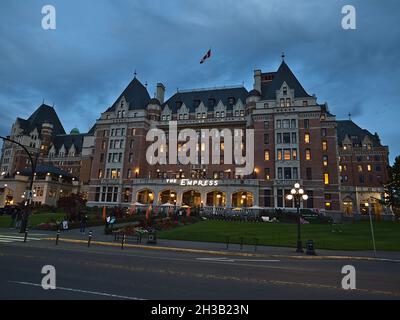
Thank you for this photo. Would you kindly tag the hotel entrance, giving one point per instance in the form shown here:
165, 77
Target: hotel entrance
191, 198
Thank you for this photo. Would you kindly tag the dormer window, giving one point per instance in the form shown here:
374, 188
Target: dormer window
231, 101
282, 102
211, 102
285, 91
178, 104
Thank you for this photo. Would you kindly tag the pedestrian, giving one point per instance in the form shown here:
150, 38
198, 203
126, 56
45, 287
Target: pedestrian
14, 214
83, 223
18, 219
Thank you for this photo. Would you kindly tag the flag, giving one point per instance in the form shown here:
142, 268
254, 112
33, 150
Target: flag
208, 55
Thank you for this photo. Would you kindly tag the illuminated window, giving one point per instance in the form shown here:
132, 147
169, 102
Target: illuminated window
267, 174
326, 178
369, 167
308, 154
222, 146
266, 155
100, 174
324, 145
294, 154
328, 206
286, 154
307, 138
325, 161
340, 168
280, 154
360, 168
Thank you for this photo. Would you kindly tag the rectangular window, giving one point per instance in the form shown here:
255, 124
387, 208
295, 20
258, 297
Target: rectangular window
305, 104
295, 173
308, 154
325, 161
266, 138
306, 123
288, 102
278, 124
307, 138
293, 123
266, 155
100, 175
266, 124
280, 173
282, 103
324, 145
286, 154
294, 154
323, 132
294, 137
359, 168
286, 137
279, 154
288, 173
369, 168
278, 138
326, 178
267, 174
286, 124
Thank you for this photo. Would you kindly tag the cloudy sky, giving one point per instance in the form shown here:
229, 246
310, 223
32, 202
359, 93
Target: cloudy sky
85, 63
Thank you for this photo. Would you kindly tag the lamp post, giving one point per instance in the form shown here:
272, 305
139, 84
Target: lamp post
24, 223
297, 194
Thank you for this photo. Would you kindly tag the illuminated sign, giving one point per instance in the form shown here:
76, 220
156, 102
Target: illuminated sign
190, 182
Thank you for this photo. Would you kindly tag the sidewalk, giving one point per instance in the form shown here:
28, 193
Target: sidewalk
99, 236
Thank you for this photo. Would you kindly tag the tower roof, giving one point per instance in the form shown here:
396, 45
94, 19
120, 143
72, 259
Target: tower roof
43, 114
135, 94
284, 74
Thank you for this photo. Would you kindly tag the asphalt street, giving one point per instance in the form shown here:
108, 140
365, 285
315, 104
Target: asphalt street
111, 273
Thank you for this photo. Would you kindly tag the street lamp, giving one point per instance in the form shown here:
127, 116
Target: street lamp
297, 194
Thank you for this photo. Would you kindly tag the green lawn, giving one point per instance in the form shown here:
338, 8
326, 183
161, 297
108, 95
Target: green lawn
352, 236
34, 219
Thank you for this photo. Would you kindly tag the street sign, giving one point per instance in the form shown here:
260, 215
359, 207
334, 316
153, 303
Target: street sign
28, 195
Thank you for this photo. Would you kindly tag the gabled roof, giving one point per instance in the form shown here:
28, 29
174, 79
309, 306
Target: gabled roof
355, 133
68, 140
135, 94
193, 97
43, 114
284, 74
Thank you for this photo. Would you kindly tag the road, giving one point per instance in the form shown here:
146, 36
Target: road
111, 273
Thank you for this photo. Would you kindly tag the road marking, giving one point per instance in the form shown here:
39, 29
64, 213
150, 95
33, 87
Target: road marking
235, 260
110, 295
9, 239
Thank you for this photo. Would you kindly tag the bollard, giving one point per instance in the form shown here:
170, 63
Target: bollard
123, 241
58, 236
255, 244
241, 243
90, 238
227, 243
26, 235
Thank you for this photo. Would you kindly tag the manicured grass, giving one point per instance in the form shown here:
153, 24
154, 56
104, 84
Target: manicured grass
351, 236
34, 219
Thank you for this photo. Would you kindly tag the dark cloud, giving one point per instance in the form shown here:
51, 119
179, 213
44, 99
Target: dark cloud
85, 64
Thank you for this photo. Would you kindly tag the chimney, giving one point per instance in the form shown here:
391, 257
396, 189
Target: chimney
257, 80
160, 92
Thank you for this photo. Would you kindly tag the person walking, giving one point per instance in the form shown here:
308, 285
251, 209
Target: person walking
14, 214
83, 223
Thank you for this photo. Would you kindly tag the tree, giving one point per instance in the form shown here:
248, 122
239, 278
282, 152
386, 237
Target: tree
392, 188
74, 205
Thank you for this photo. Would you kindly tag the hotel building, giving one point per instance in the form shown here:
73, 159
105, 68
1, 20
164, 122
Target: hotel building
296, 139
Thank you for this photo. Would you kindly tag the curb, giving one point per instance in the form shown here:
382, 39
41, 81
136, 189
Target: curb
223, 253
